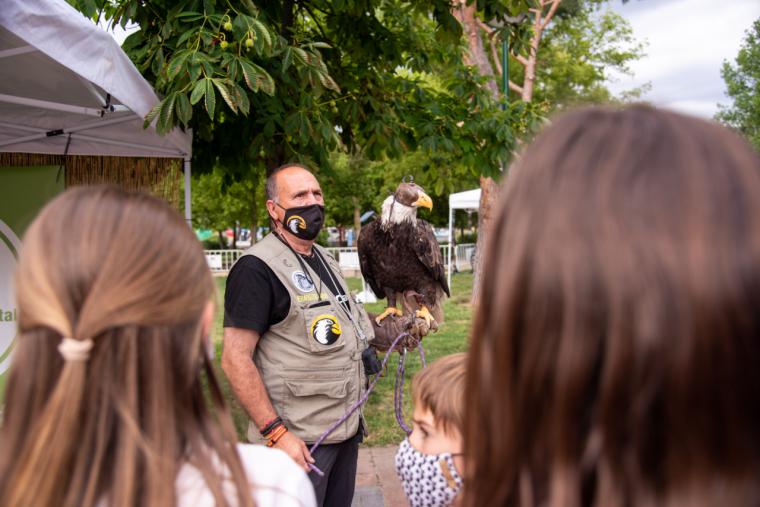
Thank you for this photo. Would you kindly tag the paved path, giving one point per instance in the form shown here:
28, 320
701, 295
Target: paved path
376, 482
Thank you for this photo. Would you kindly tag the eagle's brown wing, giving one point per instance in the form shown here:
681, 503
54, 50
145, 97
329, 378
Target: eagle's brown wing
365, 246
429, 253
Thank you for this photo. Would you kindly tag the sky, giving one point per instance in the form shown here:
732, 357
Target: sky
687, 43
688, 40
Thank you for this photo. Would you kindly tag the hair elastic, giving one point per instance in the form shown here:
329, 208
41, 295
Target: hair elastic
75, 350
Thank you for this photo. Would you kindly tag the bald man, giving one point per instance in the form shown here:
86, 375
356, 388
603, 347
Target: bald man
293, 340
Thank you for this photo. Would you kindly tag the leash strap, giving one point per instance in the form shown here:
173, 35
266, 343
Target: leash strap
358, 403
398, 396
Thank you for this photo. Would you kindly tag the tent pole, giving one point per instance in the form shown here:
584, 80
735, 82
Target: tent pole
21, 50
188, 209
46, 104
451, 240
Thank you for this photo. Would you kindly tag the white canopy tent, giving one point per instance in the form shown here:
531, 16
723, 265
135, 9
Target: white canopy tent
66, 87
469, 199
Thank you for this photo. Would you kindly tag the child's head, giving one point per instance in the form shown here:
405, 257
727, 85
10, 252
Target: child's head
429, 461
438, 394
106, 389
614, 356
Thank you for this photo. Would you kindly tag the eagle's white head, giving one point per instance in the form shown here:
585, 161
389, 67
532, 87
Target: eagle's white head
408, 197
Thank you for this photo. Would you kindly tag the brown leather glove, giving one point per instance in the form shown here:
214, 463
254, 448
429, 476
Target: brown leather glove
392, 326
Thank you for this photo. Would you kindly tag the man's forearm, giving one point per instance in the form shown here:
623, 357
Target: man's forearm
250, 390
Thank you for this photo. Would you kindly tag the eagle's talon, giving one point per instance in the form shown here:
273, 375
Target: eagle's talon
424, 313
388, 311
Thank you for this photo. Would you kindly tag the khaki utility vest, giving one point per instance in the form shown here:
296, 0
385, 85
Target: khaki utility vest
310, 362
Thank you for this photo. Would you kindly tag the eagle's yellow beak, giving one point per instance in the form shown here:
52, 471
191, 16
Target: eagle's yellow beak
423, 201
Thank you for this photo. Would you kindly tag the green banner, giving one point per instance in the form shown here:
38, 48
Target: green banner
23, 191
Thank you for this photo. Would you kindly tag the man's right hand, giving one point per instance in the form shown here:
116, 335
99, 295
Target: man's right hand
296, 449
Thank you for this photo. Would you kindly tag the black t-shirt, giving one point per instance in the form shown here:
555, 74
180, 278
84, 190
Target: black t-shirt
256, 299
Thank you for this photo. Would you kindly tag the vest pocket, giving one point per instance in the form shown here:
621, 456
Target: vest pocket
324, 331
313, 404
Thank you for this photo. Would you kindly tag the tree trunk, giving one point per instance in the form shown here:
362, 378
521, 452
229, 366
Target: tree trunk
477, 54
489, 193
540, 22
530, 68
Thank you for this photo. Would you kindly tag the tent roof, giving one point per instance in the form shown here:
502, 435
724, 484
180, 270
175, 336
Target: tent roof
58, 71
469, 199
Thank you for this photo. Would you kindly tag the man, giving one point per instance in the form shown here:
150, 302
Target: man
286, 306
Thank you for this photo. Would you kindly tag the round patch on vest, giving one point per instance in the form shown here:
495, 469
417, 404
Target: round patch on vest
325, 329
295, 223
302, 282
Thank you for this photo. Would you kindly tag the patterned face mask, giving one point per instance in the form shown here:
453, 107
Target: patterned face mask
428, 479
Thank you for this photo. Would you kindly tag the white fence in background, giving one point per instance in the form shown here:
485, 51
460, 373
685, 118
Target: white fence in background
220, 261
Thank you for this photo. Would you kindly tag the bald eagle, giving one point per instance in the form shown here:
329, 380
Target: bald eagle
399, 255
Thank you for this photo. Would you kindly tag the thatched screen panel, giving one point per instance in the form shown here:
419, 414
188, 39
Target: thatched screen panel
158, 176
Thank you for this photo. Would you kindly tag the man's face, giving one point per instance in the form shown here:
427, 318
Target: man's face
295, 187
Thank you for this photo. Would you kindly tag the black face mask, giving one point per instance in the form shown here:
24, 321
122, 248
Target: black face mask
304, 222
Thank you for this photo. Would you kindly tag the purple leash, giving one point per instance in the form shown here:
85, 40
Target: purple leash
358, 403
398, 387
398, 394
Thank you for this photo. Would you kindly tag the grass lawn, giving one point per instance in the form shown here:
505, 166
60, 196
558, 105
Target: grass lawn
383, 428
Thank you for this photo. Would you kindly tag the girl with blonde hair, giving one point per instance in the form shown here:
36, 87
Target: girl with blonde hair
105, 403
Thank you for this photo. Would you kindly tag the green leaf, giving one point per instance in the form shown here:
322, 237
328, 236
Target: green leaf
287, 59
328, 82
183, 108
194, 70
241, 97
266, 83
186, 35
251, 7
165, 122
210, 100
198, 90
219, 84
301, 56
134, 40
262, 32
152, 114
190, 16
321, 45
177, 64
250, 74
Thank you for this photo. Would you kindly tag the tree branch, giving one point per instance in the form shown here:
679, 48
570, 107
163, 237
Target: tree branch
485, 27
491, 36
515, 88
550, 14
520, 58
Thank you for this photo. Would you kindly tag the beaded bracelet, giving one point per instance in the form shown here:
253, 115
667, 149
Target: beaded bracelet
276, 435
271, 425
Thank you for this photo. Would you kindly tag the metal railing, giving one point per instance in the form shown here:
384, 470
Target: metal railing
220, 261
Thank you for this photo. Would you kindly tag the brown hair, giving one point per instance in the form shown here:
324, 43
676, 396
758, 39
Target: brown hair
123, 270
615, 356
440, 389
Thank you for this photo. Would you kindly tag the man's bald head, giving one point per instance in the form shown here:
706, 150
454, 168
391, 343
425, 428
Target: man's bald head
272, 189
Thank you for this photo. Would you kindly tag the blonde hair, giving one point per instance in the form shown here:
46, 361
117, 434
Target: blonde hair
123, 270
440, 389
